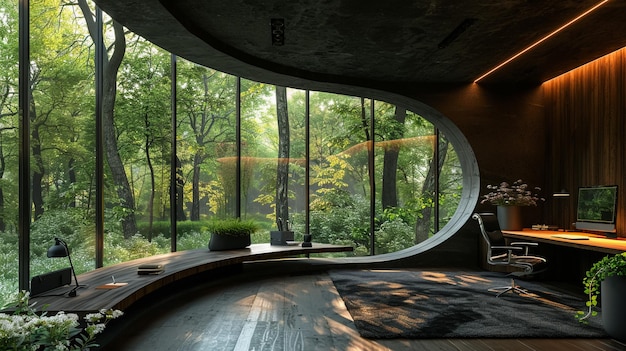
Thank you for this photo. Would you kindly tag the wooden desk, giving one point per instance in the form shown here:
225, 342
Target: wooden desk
594, 242
177, 266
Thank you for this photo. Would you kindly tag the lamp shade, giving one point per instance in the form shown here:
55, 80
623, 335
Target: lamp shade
561, 194
58, 250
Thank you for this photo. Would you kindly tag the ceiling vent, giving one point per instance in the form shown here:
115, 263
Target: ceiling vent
278, 31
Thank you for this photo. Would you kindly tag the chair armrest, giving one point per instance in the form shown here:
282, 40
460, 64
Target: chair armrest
509, 250
524, 244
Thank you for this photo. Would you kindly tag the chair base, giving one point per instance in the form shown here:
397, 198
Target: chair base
512, 288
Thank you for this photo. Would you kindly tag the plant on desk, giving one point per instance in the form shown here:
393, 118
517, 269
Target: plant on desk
27, 329
609, 276
509, 197
231, 234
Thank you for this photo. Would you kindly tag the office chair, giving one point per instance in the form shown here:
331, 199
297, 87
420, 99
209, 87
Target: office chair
516, 254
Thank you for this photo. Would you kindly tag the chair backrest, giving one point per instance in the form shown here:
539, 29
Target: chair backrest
490, 228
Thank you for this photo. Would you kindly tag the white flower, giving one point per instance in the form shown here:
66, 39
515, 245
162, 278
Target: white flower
93, 317
27, 330
516, 194
117, 314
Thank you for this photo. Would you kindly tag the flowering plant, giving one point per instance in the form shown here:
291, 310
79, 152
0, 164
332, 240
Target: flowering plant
516, 194
26, 330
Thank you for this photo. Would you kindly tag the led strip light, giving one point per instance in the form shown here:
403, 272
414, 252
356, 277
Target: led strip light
542, 40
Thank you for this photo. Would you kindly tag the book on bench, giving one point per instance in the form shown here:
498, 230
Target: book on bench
145, 269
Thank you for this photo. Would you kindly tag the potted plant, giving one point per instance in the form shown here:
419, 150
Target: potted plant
231, 234
608, 276
509, 198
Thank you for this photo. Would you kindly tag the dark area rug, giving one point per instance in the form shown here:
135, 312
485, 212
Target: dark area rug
429, 304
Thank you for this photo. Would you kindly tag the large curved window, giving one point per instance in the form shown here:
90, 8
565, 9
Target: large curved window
346, 169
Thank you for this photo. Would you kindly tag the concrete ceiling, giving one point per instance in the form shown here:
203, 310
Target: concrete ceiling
379, 43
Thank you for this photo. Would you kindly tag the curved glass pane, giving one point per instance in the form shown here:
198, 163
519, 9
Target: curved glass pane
207, 146
340, 178
9, 146
61, 137
137, 175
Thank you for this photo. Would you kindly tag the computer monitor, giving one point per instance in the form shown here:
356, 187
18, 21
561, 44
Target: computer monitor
597, 208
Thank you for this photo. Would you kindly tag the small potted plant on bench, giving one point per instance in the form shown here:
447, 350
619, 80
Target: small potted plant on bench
231, 234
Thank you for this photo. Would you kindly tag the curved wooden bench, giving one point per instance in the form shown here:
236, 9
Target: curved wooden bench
177, 266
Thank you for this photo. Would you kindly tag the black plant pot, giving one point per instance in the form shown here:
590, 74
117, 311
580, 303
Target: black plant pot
614, 306
228, 242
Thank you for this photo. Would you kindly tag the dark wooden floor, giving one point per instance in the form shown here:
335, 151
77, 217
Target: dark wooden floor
296, 312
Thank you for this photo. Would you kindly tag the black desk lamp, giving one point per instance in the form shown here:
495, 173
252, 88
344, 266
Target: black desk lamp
60, 249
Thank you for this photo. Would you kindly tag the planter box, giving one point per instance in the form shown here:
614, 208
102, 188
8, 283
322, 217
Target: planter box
228, 242
280, 238
614, 306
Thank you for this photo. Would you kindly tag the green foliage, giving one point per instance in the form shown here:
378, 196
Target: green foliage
608, 266
193, 240
28, 329
67, 225
330, 215
183, 228
120, 249
158, 228
233, 227
393, 235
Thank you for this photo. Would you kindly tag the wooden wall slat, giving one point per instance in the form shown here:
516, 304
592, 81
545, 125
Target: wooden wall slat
586, 124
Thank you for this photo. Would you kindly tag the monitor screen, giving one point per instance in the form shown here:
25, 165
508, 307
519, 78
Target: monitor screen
596, 209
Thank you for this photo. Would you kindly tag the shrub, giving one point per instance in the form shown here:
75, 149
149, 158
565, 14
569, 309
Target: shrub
234, 227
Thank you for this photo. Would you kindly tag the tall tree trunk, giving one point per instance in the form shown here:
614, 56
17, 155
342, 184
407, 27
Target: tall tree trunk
38, 168
195, 188
3, 102
111, 66
201, 130
2, 168
422, 225
282, 169
71, 174
180, 199
148, 142
390, 162
366, 130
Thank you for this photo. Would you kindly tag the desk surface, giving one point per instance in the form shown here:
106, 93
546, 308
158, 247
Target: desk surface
592, 242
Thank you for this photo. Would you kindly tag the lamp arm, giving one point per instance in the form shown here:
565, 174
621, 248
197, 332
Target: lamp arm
69, 257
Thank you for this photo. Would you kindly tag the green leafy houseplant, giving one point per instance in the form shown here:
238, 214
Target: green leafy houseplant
26, 329
516, 194
608, 266
230, 234
232, 227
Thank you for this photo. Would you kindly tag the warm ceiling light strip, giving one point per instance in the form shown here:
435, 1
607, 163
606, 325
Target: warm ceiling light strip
542, 40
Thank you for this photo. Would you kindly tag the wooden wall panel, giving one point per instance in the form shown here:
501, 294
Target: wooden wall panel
585, 112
